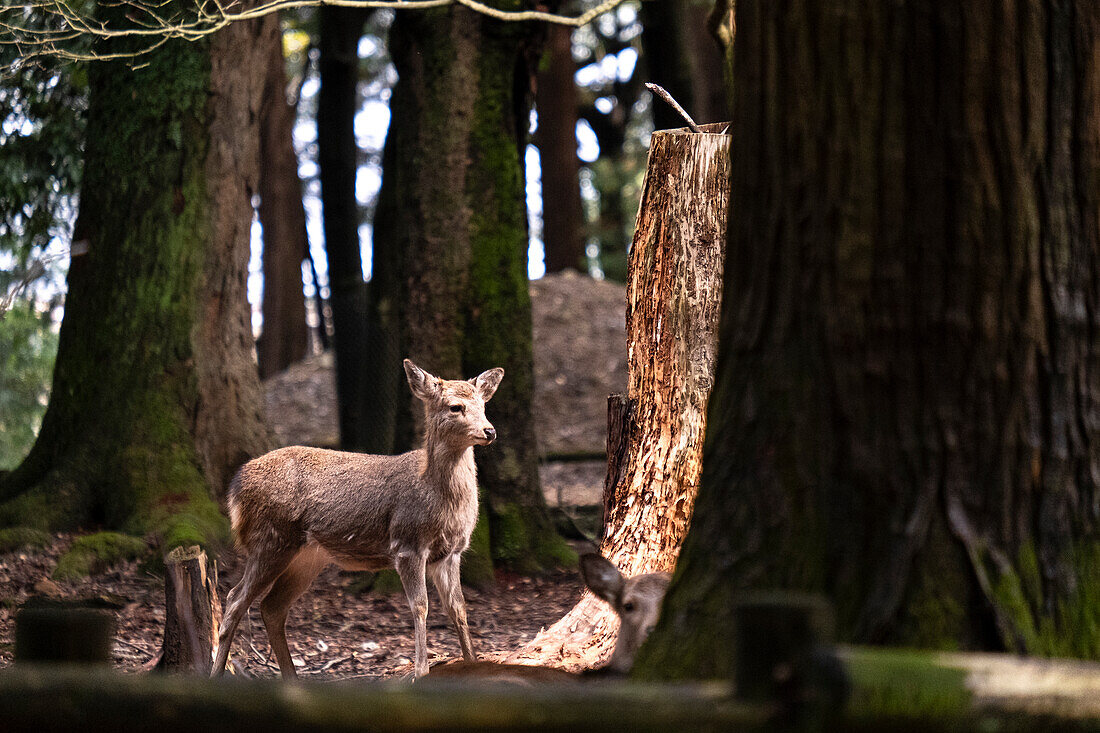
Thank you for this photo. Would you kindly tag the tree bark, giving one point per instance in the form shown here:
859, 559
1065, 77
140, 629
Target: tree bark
338, 158
155, 398
672, 318
285, 336
906, 410
556, 137
192, 612
450, 287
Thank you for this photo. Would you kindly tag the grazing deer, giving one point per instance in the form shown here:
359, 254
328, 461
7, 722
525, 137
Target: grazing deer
296, 510
637, 603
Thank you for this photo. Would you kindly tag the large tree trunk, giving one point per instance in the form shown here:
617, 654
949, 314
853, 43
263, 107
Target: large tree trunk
285, 336
155, 398
656, 441
450, 249
908, 398
556, 102
338, 159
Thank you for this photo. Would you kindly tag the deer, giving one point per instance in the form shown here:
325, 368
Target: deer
296, 510
637, 603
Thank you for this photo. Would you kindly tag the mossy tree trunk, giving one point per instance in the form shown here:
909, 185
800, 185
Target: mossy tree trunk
450, 248
285, 337
155, 397
908, 397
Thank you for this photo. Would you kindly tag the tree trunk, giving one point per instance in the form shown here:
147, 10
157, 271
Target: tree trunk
450, 249
283, 217
906, 410
556, 102
672, 319
338, 158
192, 612
155, 399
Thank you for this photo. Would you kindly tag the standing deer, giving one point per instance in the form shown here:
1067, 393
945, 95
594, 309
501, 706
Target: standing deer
296, 510
637, 603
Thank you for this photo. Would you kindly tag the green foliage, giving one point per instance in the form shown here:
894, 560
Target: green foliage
95, 552
42, 118
14, 538
28, 345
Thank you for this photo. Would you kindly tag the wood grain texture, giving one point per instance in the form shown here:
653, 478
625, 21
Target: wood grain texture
673, 300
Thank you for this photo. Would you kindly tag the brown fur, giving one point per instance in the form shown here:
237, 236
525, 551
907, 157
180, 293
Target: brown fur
295, 510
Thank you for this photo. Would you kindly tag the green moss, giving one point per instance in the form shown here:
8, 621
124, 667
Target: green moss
96, 552
509, 535
523, 548
900, 683
15, 538
387, 582
477, 561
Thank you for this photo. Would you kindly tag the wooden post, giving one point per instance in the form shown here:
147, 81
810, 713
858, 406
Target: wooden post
48, 630
192, 611
655, 432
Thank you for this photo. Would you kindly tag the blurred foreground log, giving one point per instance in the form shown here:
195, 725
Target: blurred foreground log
895, 690
655, 432
192, 611
43, 700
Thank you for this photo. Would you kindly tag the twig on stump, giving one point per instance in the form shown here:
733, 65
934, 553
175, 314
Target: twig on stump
660, 92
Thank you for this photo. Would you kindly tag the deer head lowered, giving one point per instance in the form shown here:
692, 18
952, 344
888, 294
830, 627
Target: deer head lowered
296, 510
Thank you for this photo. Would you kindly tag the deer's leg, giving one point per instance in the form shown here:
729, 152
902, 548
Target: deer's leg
287, 588
259, 573
411, 566
445, 575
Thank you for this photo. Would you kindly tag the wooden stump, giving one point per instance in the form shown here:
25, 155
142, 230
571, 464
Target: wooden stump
192, 612
655, 432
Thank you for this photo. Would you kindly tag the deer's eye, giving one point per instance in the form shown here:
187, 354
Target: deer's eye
628, 606
457, 409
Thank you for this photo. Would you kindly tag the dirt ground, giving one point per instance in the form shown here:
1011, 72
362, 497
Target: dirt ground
335, 631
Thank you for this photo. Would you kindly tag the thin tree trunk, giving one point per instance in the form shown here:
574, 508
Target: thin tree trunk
906, 414
285, 336
673, 301
556, 102
338, 158
155, 399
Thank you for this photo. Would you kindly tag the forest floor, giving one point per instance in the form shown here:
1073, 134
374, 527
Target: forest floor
336, 630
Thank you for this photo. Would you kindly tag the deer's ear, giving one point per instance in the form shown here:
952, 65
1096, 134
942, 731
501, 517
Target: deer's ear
602, 577
423, 385
486, 383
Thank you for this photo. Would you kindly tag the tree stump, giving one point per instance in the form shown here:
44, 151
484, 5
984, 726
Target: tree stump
655, 432
192, 612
